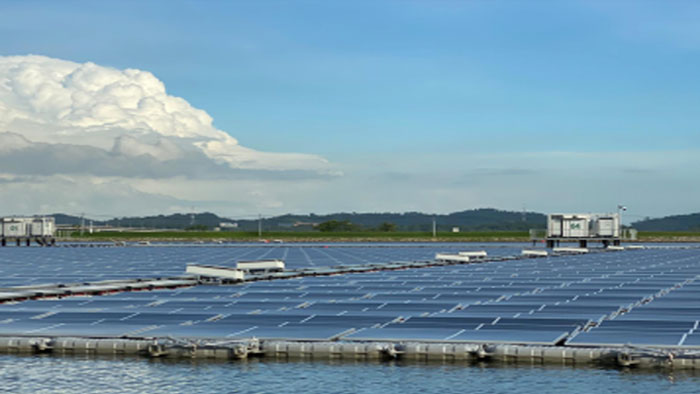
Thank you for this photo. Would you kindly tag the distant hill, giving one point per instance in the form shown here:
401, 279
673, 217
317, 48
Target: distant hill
175, 221
63, 219
474, 220
471, 220
689, 222
477, 219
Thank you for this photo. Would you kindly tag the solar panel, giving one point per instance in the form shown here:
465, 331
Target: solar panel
292, 332
403, 334
645, 295
692, 341
539, 337
622, 338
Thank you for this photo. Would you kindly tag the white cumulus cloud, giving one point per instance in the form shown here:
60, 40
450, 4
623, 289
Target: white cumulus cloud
57, 107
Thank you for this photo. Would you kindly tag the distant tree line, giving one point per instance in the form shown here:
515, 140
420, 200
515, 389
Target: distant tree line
470, 220
348, 226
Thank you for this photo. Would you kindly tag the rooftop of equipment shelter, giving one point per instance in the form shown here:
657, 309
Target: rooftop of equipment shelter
640, 297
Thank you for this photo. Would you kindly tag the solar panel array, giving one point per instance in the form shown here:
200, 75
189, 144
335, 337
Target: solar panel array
21, 266
637, 297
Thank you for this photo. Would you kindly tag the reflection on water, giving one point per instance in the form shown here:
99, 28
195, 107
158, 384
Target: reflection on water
38, 374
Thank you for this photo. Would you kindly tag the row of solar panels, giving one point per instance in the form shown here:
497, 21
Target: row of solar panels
302, 326
22, 266
443, 327
543, 301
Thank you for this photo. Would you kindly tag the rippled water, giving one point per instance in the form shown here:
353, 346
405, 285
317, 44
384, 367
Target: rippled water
25, 374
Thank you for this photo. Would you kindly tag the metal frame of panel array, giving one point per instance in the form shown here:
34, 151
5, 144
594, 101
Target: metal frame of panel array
643, 298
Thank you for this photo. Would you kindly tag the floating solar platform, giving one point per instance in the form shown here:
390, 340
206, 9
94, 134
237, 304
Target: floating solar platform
70, 265
643, 298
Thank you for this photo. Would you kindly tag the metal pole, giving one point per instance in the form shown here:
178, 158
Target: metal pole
620, 209
434, 229
619, 222
259, 226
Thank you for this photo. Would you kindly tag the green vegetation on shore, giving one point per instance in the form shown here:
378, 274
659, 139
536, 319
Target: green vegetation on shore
485, 236
348, 236
485, 219
669, 236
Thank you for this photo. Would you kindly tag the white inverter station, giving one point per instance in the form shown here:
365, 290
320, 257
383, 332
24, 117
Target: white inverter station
582, 228
24, 230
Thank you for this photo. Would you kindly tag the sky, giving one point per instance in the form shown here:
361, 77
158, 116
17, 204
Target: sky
119, 108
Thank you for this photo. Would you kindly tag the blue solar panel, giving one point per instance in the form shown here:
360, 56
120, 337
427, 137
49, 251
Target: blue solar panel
544, 337
610, 338
443, 321
692, 341
292, 332
644, 294
404, 334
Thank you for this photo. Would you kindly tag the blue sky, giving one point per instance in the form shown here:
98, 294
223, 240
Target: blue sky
426, 94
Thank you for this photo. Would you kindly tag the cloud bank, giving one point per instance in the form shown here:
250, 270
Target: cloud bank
86, 118
80, 137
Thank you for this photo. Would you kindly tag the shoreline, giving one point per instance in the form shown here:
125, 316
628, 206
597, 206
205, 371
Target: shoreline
276, 239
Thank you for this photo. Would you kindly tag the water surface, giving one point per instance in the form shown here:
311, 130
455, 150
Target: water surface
36, 374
